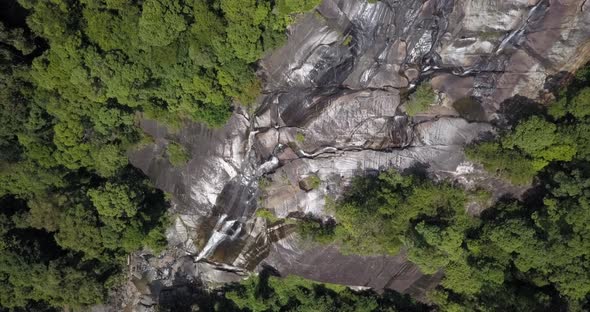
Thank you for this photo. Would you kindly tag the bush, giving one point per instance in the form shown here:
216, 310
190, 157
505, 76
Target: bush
421, 99
507, 164
347, 41
300, 137
266, 214
292, 293
535, 142
177, 154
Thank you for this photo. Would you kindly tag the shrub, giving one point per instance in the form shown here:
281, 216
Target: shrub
420, 100
300, 137
177, 154
266, 214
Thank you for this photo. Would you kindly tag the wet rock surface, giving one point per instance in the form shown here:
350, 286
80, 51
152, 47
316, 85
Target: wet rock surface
333, 107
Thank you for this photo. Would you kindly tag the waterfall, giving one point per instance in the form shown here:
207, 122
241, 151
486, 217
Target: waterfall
520, 30
222, 231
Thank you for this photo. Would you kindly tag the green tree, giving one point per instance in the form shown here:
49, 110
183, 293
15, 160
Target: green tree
270, 293
532, 136
152, 30
114, 200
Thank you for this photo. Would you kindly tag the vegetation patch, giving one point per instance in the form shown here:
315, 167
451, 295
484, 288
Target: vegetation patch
292, 293
267, 292
267, 214
177, 154
420, 100
263, 183
300, 138
491, 35
535, 142
347, 40
310, 183
481, 197
315, 181
144, 140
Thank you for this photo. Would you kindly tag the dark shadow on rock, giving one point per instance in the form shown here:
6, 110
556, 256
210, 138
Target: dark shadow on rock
269, 270
156, 288
264, 290
237, 200
418, 169
298, 107
570, 83
470, 109
402, 302
518, 108
554, 83
486, 136
188, 296
336, 75
362, 182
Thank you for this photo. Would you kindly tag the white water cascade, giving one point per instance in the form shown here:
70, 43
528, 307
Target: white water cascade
222, 231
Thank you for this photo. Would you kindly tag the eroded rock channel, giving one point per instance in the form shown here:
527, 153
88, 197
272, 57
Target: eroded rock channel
333, 106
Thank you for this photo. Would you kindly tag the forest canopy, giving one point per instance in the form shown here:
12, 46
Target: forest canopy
291, 293
268, 292
75, 79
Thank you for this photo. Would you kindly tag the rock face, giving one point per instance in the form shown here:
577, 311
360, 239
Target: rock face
333, 106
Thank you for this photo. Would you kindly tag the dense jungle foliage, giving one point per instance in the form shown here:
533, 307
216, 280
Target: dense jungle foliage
518, 255
75, 77
270, 293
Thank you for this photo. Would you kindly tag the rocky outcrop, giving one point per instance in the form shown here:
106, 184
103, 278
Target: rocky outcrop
333, 107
